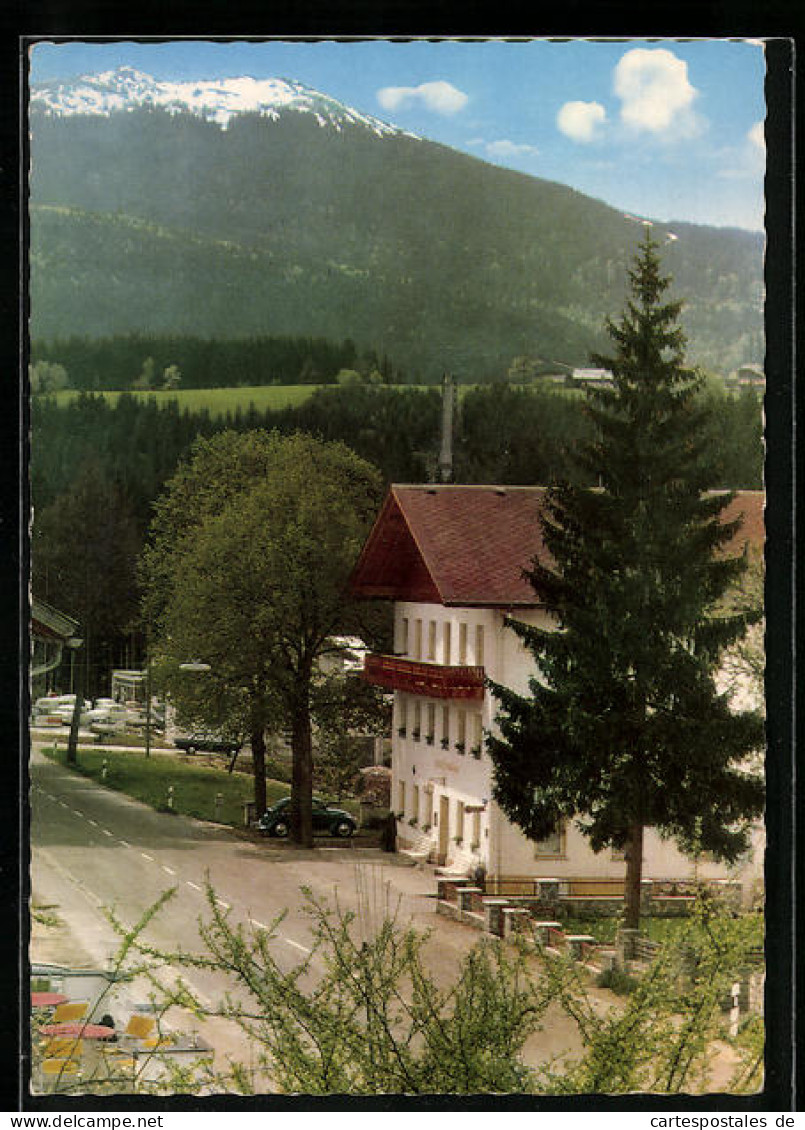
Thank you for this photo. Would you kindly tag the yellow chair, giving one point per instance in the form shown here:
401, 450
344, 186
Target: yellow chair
69, 1012
119, 1063
62, 1047
53, 1071
140, 1027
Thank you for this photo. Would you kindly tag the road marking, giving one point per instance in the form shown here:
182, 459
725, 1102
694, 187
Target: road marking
94, 823
76, 812
259, 925
225, 905
291, 942
195, 886
169, 870
106, 832
123, 842
150, 858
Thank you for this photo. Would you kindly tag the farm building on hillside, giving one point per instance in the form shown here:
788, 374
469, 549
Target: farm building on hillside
451, 558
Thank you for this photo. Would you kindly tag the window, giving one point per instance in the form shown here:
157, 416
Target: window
476, 734
415, 804
446, 644
417, 730
462, 644
476, 829
445, 727
459, 820
553, 845
403, 640
461, 735
430, 725
417, 639
402, 716
479, 645
432, 639
401, 798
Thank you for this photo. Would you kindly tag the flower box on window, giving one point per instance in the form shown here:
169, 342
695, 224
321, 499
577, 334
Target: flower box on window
460, 746
476, 752
429, 739
402, 731
415, 734
445, 743
413, 821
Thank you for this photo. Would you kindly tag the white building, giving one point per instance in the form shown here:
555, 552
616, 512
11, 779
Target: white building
451, 558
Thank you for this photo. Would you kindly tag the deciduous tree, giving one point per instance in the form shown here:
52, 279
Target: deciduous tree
251, 547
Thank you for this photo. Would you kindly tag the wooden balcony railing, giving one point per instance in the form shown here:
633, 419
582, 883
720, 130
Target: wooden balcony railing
429, 679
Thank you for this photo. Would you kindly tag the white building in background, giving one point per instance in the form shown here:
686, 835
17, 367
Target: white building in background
451, 559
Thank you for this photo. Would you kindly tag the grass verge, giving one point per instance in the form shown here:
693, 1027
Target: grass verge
195, 786
605, 930
148, 779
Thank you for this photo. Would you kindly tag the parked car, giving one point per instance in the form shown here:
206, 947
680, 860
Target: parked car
104, 709
207, 742
112, 719
57, 710
276, 820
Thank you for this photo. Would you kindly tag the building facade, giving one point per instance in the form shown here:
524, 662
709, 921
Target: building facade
451, 560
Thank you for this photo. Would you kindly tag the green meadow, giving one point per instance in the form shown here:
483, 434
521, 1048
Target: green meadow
216, 401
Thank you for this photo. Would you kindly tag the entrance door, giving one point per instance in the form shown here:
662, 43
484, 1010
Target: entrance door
444, 828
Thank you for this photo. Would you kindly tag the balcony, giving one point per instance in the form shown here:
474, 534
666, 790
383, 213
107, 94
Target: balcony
429, 679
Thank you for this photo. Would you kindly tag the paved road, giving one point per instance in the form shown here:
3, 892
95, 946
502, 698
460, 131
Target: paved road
95, 848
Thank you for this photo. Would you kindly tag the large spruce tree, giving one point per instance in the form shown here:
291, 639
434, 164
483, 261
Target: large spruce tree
626, 728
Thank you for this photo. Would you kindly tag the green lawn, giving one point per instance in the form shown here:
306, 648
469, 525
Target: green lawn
217, 401
605, 930
194, 786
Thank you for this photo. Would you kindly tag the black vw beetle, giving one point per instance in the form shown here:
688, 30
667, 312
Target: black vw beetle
276, 820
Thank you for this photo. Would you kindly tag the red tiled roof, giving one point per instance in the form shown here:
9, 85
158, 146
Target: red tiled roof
469, 545
453, 545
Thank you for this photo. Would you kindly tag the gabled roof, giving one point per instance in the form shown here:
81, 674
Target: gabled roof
469, 545
452, 545
48, 622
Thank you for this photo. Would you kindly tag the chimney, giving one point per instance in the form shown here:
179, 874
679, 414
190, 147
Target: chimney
446, 452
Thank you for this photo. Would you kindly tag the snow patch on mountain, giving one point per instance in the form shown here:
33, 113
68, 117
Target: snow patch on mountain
216, 100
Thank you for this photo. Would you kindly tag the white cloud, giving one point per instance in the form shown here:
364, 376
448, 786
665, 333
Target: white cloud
505, 148
580, 121
441, 97
757, 136
656, 95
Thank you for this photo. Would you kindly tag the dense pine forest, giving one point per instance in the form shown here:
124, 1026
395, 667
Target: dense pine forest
97, 468
137, 361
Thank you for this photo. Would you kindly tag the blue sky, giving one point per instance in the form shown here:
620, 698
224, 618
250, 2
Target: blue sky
667, 129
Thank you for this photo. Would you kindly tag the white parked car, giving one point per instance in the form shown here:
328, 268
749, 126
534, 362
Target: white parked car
112, 719
57, 710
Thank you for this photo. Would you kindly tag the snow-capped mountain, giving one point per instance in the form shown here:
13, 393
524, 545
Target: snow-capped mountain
276, 209
216, 100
